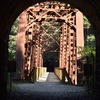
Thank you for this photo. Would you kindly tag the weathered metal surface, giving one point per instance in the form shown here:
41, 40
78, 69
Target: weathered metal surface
42, 20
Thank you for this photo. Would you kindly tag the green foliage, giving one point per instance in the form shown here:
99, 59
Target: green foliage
87, 51
12, 41
90, 40
14, 28
86, 22
90, 46
12, 46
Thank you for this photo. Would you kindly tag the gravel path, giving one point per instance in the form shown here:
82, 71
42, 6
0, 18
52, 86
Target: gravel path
48, 89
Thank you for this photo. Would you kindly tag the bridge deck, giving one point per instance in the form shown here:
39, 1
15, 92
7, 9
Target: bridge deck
48, 87
49, 77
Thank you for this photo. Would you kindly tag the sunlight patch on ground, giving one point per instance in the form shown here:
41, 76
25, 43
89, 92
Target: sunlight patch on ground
43, 78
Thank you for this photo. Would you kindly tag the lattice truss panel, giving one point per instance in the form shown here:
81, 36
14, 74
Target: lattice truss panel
49, 21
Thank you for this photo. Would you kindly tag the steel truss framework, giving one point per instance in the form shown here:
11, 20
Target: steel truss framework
42, 20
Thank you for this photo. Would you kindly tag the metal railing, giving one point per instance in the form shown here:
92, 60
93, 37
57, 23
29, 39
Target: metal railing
62, 75
37, 72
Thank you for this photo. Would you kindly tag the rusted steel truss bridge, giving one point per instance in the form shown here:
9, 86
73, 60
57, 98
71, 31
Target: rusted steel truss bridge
52, 27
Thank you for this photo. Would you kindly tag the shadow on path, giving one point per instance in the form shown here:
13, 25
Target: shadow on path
50, 89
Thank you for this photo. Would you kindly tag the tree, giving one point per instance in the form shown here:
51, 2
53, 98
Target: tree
86, 22
89, 38
12, 40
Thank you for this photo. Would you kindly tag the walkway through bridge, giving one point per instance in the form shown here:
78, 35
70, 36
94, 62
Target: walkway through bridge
48, 87
52, 29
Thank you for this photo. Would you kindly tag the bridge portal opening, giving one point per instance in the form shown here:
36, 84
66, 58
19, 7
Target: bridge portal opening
27, 40
44, 22
51, 60
50, 27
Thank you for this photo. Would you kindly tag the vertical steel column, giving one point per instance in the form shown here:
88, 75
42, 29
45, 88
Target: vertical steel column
36, 51
64, 32
28, 51
33, 46
58, 12
61, 44
64, 52
37, 48
73, 53
68, 49
40, 50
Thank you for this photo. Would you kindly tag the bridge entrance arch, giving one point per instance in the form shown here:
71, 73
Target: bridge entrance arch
49, 19
14, 8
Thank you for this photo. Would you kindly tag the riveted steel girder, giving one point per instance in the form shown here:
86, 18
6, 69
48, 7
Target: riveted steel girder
46, 21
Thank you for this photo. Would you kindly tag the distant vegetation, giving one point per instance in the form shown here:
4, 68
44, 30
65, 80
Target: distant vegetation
88, 34
12, 40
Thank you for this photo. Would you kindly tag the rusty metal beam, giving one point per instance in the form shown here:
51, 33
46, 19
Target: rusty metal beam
51, 14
